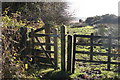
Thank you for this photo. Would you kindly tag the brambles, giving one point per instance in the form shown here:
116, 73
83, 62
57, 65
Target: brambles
13, 66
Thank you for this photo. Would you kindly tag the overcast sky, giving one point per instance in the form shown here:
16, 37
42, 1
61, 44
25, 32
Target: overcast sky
88, 8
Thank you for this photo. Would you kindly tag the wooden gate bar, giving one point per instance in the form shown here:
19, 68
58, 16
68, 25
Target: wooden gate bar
98, 53
91, 47
47, 54
101, 62
47, 38
55, 49
109, 51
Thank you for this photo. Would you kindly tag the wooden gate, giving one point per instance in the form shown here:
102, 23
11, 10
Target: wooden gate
91, 53
47, 56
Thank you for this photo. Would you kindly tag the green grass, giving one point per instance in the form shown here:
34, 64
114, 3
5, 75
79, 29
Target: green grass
82, 31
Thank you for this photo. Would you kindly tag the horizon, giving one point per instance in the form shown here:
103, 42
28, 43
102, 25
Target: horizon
76, 19
83, 9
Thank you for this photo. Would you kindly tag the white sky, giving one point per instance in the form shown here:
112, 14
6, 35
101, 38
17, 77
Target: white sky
87, 8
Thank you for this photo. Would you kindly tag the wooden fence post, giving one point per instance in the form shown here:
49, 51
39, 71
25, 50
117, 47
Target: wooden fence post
55, 49
32, 41
23, 32
91, 47
69, 54
109, 51
63, 48
74, 49
32, 45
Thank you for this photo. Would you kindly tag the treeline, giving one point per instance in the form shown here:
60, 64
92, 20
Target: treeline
48, 12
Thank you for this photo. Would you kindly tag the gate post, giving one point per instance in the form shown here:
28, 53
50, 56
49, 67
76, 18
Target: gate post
74, 49
63, 46
69, 54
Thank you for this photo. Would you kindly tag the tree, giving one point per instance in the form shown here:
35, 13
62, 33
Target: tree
54, 12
